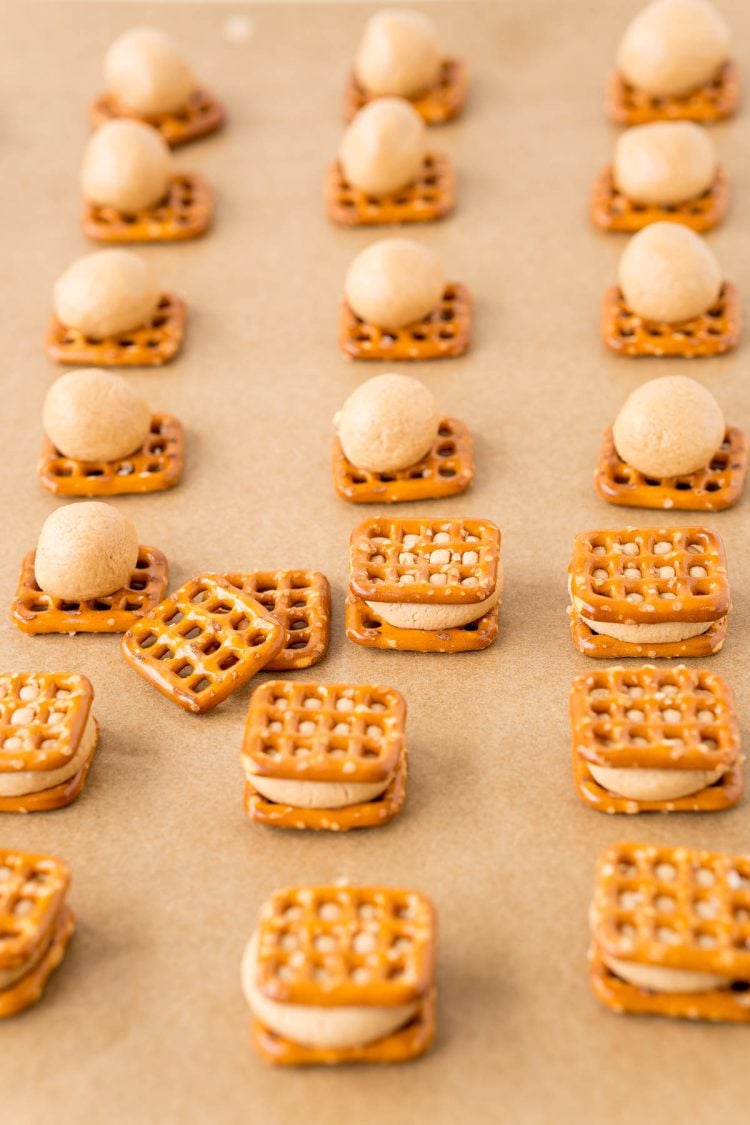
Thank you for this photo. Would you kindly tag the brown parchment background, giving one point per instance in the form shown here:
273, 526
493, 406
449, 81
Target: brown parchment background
145, 1022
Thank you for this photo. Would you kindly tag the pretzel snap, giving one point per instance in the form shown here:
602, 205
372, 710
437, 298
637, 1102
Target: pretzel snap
28, 989
716, 99
442, 102
156, 343
201, 115
300, 600
712, 333
612, 210
430, 197
32, 893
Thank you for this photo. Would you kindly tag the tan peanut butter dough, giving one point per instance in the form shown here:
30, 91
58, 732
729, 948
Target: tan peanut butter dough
669, 427
399, 54
105, 293
146, 73
126, 165
316, 794
668, 273
85, 550
388, 423
383, 149
394, 282
665, 162
673, 47
436, 617
653, 785
336, 1026
94, 415
657, 979
668, 632
23, 782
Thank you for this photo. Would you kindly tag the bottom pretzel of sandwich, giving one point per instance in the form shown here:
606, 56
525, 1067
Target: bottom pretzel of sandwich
366, 627
432, 195
300, 600
150, 345
712, 333
443, 333
446, 470
28, 989
202, 642
712, 489
35, 611
602, 647
714, 100
441, 102
185, 212
612, 210
155, 466
406, 1043
45, 800
202, 114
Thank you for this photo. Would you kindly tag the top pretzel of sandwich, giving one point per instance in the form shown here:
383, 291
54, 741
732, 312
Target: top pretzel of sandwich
679, 908
340, 944
32, 889
42, 718
651, 598
324, 732
383, 568
623, 717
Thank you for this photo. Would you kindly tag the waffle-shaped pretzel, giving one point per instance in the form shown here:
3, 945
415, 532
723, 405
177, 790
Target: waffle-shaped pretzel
612, 210
201, 115
185, 212
601, 647
203, 642
34, 611
32, 892
716, 99
655, 718
676, 908
443, 333
27, 990
431, 196
300, 600
446, 470
443, 101
366, 627
712, 489
712, 333
152, 345
157, 465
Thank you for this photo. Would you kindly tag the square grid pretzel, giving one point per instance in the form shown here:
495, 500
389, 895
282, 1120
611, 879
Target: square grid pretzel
153, 344
716, 99
712, 489
714, 332
446, 470
185, 212
442, 102
35, 611
203, 642
677, 908
27, 989
443, 333
32, 893
654, 718
201, 115
366, 627
431, 196
300, 600
612, 210
156, 466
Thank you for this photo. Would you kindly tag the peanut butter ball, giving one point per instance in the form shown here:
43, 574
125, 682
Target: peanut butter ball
399, 54
146, 73
673, 46
92, 415
669, 427
665, 162
388, 423
668, 273
85, 550
384, 147
105, 293
394, 282
126, 165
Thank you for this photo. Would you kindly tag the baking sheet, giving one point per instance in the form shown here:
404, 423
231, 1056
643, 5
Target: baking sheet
145, 1021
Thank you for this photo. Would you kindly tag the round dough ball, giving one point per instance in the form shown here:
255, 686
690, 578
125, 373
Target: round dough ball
399, 54
85, 550
94, 415
673, 46
668, 273
669, 427
146, 74
384, 147
388, 423
665, 162
105, 293
394, 282
126, 165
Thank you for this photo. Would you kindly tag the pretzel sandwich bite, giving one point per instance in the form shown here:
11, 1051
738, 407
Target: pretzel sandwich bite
340, 974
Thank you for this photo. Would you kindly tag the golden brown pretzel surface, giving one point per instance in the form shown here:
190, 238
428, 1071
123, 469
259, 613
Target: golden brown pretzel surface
601, 647
185, 212
366, 627
28, 989
712, 333
300, 600
431, 196
202, 114
32, 890
443, 333
443, 101
612, 210
42, 718
151, 345
714, 100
